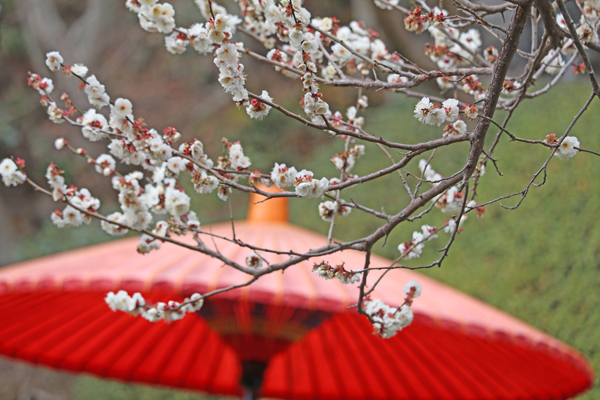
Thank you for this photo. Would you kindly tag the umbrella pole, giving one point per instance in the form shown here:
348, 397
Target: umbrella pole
252, 378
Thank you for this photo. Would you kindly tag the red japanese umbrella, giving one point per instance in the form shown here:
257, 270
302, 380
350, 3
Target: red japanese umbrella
289, 333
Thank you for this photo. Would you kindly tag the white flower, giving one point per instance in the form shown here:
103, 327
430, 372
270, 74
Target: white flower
94, 122
254, 260
567, 148
395, 78
199, 39
55, 114
204, 183
60, 143
460, 127
192, 220
175, 44
123, 302
388, 321
122, 107
69, 217
103, 162
428, 113
283, 176
11, 176
223, 192
79, 70
46, 86
428, 232
7, 167
306, 186
413, 287
471, 39
161, 228
386, 4
450, 107
176, 165
54, 60
147, 244
176, 202
553, 62
470, 111
113, 229
257, 109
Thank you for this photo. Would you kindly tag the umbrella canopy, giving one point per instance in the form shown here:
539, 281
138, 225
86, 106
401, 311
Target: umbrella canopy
294, 323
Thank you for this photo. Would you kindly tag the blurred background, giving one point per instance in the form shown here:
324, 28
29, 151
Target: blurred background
540, 262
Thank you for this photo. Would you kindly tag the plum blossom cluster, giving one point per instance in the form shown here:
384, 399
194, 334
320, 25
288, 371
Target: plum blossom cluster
449, 202
326, 271
388, 321
304, 183
80, 201
414, 248
316, 52
328, 209
345, 161
137, 305
431, 114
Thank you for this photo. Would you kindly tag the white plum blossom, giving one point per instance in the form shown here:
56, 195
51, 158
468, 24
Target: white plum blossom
176, 202
123, 302
122, 107
104, 162
386, 4
413, 248
68, 218
451, 226
429, 173
192, 221
386, 320
413, 288
306, 186
146, 244
60, 143
113, 229
204, 183
254, 260
176, 43
470, 111
429, 113
429, 232
327, 209
567, 147
176, 165
54, 60
11, 175
79, 70
93, 124
450, 107
238, 160
553, 62
96, 92
46, 86
137, 305
283, 176
199, 39
55, 114
257, 109
327, 271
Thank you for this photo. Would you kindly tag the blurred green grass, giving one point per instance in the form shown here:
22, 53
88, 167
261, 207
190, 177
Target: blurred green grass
539, 262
